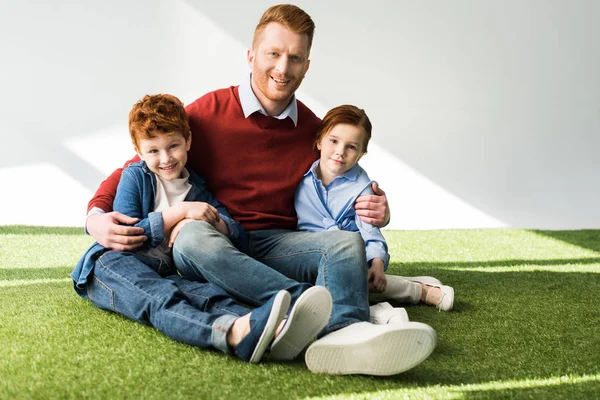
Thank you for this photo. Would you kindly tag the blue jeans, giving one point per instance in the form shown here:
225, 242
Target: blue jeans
199, 314
280, 259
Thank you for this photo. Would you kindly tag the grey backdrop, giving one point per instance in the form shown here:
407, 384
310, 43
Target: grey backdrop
495, 104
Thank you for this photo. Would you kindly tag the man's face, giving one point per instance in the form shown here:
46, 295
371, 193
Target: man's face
279, 62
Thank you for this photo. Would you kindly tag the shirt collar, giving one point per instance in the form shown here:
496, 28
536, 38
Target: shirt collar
250, 103
351, 175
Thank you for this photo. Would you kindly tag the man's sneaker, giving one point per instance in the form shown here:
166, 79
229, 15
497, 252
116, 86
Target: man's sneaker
364, 348
308, 317
384, 313
264, 321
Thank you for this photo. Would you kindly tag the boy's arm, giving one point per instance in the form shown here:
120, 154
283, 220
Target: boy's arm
105, 226
234, 228
128, 201
376, 246
373, 208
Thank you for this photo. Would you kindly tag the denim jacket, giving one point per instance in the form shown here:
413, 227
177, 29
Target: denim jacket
135, 197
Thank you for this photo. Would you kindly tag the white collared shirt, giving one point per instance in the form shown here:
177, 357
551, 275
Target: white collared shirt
250, 103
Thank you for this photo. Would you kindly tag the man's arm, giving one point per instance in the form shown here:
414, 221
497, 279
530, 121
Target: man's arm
105, 227
373, 209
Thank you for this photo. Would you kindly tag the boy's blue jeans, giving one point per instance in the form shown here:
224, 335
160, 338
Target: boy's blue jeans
280, 259
196, 313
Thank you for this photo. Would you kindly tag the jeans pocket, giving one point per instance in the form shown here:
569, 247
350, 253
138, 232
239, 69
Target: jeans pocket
101, 295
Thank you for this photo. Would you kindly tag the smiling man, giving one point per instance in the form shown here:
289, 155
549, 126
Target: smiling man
253, 143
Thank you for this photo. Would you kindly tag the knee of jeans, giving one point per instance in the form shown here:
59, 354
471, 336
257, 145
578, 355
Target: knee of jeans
191, 234
347, 245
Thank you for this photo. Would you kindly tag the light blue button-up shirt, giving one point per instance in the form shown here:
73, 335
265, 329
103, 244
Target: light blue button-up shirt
250, 103
321, 208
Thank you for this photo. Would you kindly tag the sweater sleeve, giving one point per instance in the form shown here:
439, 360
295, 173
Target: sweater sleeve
105, 195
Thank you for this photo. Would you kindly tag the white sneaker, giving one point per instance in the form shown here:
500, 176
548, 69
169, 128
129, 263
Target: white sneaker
364, 348
385, 313
308, 317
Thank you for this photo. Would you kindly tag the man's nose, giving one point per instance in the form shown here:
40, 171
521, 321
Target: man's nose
282, 65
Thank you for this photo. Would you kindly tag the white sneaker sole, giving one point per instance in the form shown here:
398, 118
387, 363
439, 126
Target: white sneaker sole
280, 306
389, 353
308, 317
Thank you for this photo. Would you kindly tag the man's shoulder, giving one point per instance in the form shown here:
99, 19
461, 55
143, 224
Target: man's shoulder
214, 99
305, 114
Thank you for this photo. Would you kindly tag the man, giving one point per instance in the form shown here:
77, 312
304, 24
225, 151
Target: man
253, 143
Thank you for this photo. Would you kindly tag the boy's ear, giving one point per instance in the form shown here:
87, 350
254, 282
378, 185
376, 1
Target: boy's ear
188, 142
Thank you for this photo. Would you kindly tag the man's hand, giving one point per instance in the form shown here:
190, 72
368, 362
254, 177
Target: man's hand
373, 209
106, 230
376, 276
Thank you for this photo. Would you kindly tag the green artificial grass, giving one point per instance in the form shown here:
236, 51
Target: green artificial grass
525, 325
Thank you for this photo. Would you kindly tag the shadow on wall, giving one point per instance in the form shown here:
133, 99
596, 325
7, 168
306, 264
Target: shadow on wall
490, 101
68, 74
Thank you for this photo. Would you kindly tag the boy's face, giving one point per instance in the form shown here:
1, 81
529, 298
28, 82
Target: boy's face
279, 62
165, 155
341, 148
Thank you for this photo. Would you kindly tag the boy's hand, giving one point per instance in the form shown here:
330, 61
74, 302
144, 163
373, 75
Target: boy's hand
376, 276
201, 211
373, 209
176, 229
106, 230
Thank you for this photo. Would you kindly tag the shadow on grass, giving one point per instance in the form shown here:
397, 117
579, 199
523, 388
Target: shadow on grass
586, 238
40, 230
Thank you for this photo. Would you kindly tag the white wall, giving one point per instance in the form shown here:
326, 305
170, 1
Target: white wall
485, 113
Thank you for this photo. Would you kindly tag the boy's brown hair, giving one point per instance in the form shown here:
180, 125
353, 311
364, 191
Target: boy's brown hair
346, 114
292, 17
158, 113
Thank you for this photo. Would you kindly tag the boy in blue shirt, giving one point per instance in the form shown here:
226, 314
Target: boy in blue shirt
144, 285
325, 201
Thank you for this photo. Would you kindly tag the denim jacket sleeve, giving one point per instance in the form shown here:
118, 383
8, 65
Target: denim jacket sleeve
135, 198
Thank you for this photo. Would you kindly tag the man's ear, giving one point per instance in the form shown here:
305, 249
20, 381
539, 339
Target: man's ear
188, 142
250, 58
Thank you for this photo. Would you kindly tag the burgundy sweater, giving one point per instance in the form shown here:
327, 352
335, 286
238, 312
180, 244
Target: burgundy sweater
251, 165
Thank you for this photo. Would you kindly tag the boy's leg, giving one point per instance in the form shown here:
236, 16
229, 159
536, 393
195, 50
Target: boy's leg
129, 285
202, 253
334, 259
